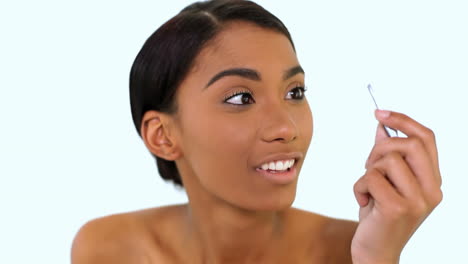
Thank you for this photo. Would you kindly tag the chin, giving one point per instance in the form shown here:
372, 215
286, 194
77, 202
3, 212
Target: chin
273, 202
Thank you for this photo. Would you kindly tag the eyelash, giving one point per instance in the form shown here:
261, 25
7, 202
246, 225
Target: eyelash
236, 93
300, 87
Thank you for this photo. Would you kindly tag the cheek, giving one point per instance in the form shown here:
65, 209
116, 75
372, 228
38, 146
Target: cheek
307, 124
217, 144
303, 120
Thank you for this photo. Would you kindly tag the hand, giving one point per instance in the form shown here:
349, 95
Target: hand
399, 190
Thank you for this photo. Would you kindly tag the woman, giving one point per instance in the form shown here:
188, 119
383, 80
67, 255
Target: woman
217, 95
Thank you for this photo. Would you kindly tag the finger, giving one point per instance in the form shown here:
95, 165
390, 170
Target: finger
411, 128
415, 154
394, 167
360, 193
380, 133
375, 184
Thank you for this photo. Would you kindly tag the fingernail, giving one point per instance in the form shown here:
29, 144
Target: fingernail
382, 113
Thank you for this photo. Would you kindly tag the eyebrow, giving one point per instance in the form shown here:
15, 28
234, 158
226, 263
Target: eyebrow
292, 72
252, 74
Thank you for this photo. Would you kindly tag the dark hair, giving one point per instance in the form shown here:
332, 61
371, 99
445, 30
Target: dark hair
169, 53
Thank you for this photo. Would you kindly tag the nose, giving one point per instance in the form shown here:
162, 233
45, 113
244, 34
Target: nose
278, 125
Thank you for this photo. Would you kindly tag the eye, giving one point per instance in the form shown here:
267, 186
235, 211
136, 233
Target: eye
297, 93
240, 98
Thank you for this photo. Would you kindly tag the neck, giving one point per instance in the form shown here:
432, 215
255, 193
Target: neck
222, 233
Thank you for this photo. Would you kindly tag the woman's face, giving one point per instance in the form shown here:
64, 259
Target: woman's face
254, 112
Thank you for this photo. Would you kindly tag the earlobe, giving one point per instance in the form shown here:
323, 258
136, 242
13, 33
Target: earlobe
154, 133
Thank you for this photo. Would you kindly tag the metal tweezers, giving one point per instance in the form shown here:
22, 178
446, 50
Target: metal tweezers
390, 131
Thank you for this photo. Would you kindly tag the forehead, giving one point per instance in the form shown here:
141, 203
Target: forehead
243, 44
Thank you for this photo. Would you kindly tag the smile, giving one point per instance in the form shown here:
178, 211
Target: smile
280, 165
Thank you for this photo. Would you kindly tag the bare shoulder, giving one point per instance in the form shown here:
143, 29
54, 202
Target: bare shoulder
108, 239
120, 238
332, 228
339, 234
329, 239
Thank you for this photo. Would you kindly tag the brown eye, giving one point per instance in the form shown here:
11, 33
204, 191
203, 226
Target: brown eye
240, 99
296, 93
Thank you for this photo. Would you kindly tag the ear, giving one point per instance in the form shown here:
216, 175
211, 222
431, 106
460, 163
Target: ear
155, 132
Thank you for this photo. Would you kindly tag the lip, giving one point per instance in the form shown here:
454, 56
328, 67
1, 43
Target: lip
281, 178
281, 156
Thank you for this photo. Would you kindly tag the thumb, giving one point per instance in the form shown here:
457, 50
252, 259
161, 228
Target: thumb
380, 134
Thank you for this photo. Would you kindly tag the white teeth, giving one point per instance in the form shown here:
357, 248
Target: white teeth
271, 166
278, 165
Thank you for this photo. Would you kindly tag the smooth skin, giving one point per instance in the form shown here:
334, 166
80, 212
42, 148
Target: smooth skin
234, 215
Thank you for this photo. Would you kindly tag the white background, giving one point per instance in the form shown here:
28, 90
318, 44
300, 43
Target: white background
69, 152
